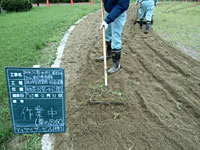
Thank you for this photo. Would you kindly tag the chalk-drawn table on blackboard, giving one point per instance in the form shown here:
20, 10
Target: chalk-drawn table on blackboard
37, 99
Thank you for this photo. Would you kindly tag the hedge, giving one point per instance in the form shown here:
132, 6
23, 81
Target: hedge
16, 5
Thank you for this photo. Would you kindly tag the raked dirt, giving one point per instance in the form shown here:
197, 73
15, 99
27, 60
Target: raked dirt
161, 86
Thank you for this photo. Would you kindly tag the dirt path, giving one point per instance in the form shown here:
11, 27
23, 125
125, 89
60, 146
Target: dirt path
161, 86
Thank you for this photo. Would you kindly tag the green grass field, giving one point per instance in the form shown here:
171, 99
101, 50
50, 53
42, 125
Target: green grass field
179, 23
23, 36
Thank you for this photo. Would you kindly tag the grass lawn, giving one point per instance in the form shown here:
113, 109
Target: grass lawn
179, 23
26, 39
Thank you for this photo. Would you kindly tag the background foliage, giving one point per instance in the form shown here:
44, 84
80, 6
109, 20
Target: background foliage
16, 5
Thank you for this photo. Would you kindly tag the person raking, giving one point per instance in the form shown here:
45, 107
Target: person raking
114, 22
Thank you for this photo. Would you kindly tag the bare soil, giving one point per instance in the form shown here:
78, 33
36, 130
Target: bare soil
160, 86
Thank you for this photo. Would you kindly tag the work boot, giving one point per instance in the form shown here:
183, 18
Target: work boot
109, 52
147, 27
152, 21
141, 23
116, 55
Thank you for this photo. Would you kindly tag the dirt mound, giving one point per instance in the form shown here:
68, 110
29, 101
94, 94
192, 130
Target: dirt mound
160, 85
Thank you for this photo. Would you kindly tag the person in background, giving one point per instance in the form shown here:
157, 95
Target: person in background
114, 22
147, 11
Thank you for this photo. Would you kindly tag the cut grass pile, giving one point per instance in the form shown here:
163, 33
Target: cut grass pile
179, 23
23, 36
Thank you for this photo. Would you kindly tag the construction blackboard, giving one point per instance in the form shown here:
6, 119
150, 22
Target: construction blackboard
37, 99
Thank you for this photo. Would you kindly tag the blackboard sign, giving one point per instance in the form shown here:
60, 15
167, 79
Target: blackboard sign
37, 99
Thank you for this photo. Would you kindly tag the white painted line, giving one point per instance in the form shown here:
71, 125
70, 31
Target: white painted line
63, 42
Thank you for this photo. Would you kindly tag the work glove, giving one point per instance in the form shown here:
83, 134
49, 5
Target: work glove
136, 3
104, 24
155, 4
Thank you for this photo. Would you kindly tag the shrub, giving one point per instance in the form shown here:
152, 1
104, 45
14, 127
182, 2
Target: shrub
16, 5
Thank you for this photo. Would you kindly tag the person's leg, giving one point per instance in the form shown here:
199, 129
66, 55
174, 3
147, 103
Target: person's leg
108, 51
116, 44
108, 33
116, 29
150, 10
108, 37
108, 41
147, 27
143, 13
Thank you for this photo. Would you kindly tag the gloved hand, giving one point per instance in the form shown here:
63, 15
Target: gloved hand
136, 3
155, 4
104, 24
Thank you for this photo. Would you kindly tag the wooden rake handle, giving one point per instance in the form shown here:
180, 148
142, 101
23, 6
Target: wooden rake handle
104, 45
